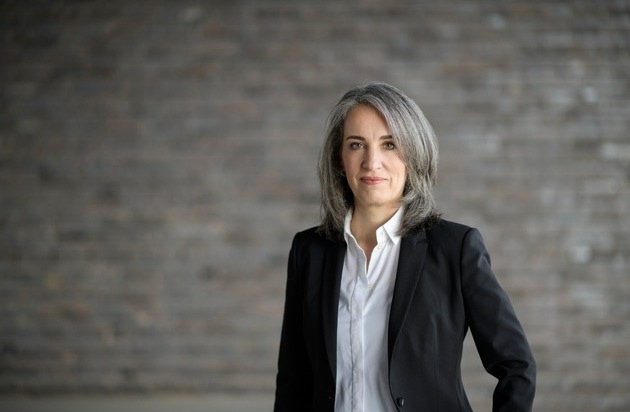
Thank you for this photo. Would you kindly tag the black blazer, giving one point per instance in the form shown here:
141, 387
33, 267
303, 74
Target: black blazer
444, 286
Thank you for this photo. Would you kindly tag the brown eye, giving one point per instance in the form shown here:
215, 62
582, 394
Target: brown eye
389, 146
355, 146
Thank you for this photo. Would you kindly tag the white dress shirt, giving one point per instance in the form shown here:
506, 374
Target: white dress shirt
365, 299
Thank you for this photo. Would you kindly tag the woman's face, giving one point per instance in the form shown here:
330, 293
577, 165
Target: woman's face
371, 161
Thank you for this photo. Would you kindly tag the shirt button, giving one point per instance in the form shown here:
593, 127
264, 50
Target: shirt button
400, 402
370, 286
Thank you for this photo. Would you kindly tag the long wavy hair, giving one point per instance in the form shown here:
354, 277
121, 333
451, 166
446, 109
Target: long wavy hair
417, 147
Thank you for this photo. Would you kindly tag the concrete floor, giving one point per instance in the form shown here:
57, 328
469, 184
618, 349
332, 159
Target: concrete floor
154, 403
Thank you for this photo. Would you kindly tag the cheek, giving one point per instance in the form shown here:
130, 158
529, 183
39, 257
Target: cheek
401, 170
402, 178
347, 161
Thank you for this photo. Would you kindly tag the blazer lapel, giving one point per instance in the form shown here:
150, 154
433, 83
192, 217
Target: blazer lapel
333, 267
413, 250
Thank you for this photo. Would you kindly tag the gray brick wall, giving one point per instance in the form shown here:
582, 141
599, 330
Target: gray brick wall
157, 157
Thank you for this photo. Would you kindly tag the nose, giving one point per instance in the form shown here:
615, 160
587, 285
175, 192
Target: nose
371, 159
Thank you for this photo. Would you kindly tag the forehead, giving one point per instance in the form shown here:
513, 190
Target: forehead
363, 118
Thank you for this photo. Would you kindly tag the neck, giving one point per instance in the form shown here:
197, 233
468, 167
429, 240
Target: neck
365, 221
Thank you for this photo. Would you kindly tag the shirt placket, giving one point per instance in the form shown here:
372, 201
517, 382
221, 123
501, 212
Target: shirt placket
359, 295
372, 276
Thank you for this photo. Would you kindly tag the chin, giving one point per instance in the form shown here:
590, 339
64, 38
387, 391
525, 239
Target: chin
380, 203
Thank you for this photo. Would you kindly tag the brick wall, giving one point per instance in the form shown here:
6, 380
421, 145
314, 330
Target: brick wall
157, 157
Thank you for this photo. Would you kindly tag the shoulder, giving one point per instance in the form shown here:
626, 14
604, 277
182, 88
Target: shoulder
311, 238
453, 236
308, 236
311, 249
449, 230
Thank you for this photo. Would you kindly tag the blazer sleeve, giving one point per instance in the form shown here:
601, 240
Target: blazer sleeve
293, 380
498, 335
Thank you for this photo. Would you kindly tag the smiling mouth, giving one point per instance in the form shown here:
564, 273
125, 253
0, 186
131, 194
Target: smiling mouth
372, 180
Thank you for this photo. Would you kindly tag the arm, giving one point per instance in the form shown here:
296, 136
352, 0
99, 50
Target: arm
293, 386
498, 335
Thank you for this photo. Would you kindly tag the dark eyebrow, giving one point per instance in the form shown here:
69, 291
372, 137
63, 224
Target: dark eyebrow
384, 137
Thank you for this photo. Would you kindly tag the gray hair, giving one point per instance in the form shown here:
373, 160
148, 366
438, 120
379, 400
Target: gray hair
417, 147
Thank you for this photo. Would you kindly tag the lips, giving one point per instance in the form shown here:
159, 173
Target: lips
372, 180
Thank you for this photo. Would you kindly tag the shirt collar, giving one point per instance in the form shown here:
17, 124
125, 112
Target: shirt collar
391, 227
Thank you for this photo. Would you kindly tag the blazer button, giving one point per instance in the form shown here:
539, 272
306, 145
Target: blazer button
400, 402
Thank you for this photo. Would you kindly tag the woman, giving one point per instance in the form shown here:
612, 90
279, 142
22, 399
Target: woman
382, 293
